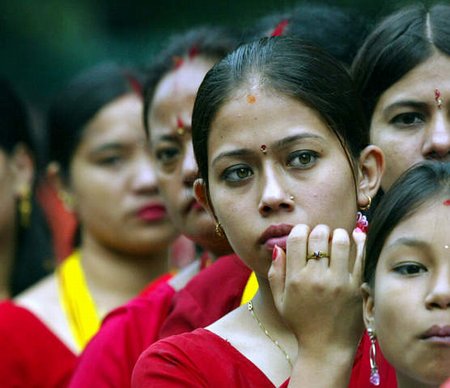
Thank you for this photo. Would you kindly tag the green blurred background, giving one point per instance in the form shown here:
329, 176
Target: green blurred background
44, 43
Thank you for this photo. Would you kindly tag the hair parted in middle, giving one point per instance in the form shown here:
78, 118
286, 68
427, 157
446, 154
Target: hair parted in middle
290, 68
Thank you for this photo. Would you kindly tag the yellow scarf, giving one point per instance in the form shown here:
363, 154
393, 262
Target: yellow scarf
250, 289
76, 300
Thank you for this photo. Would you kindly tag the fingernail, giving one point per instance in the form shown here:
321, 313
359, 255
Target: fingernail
275, 252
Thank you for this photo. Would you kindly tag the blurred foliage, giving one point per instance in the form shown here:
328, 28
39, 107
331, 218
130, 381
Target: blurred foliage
46, 42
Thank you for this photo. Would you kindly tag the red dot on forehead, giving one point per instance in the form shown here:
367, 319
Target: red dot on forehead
447, 202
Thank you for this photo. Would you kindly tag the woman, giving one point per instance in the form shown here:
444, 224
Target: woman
25, 249
99, 149
406, 274
402, 72
279, 141
172, 83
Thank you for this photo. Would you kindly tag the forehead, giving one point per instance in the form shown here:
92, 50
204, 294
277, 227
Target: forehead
433, 74
254, 111
431, 222
121, 118
180, 83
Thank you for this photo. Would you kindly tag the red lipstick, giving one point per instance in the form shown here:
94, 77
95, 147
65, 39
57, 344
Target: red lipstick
152, 213
275, 235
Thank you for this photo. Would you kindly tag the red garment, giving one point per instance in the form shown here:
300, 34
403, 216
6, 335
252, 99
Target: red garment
109, 358
210, 295
30, 354
446, 384
203, 359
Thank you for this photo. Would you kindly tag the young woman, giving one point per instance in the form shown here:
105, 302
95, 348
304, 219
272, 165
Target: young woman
283, 156
402, 72
170, 90
99, 147
406, 274
25, 245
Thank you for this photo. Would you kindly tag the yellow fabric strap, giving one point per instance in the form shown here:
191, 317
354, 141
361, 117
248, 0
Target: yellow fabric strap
250, 289
76, 300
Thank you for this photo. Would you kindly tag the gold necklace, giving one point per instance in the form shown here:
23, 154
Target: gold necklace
266, 332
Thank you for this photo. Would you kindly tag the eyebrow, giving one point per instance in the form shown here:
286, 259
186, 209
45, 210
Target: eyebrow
409, 242
279, 144
409, 103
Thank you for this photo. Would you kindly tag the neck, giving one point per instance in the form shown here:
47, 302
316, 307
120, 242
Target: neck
115, 277
268, 314
7, 255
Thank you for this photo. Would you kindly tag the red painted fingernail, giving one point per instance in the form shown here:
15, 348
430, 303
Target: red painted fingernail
275, 253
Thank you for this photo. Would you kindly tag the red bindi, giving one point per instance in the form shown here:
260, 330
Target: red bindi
437, 98
180, 126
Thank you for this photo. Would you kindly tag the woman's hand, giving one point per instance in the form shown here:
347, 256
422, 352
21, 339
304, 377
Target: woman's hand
319, 298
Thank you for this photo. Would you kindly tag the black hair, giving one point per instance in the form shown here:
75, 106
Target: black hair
291, 68
79, 102
207, 42
396, 46
33, 253
417, 186
337, 30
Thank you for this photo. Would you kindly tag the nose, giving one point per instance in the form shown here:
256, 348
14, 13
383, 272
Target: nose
437, 138
439, 294
274, 197
189, 167
145, 178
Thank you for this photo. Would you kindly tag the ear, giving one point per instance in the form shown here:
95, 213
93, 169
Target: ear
368, 306
371, 168
23, 168
200, 192
57, 183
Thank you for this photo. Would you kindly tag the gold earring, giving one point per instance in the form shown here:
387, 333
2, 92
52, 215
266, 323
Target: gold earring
219, 230
66, 199
25, 206
369, 203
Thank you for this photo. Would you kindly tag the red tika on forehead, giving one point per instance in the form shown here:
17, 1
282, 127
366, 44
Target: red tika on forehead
446, 202
280, 27
180, 123
437, 98
134, 84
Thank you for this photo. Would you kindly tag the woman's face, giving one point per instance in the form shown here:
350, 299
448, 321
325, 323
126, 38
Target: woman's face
273, 163
409, 308
113, 182
408, 122
171, 146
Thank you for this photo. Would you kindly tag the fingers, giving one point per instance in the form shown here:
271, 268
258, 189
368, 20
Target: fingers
360, 240
277, 274
318, 245
340, 252
296, 248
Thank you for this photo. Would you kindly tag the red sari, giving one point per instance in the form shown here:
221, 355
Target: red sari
203, 359
30, 354
109, 358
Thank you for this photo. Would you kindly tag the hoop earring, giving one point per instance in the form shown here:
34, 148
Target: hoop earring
25, 206
219, 230
374, 374
369, 203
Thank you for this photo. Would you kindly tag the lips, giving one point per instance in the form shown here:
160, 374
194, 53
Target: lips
275, 235
437, 333
152, 213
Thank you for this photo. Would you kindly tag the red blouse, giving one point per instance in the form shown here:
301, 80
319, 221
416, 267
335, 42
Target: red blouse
203, 359
30, 354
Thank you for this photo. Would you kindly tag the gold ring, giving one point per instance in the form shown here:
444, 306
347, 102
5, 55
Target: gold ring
317, 255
